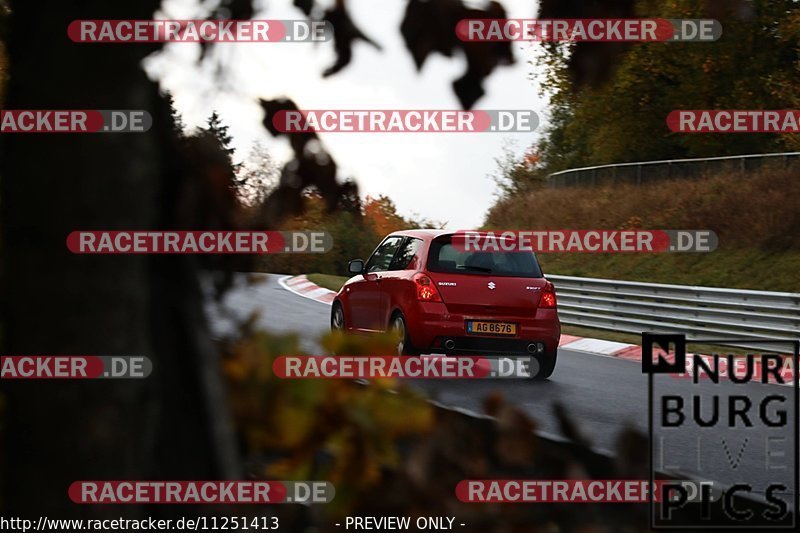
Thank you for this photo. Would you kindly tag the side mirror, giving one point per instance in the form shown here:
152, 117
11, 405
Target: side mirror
356, 266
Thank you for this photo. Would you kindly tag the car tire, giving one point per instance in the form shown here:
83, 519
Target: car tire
338, 322
547, 364
398, 323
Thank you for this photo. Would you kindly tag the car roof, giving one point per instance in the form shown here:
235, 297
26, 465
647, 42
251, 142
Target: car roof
425, 234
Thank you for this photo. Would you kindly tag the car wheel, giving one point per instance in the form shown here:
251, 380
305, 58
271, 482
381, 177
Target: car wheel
398, 326
544, 365
337, 317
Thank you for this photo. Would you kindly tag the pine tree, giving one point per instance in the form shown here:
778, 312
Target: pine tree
216, 128
178, 126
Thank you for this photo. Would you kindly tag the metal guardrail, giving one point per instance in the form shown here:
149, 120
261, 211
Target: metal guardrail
699, 312
649, 171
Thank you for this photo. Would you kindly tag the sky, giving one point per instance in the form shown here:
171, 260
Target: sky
441, 177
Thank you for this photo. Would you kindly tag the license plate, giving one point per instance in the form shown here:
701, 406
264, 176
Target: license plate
476, 327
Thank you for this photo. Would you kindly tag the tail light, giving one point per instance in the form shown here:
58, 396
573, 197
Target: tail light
426, 290
548, 300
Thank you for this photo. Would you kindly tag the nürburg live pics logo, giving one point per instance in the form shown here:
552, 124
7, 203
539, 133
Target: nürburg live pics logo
729, 421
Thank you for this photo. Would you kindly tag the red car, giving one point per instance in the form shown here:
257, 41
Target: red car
441, 298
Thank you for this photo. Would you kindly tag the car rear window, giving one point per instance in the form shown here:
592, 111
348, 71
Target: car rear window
444, 257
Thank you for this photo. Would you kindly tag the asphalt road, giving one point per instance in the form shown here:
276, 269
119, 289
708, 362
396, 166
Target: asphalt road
603, 394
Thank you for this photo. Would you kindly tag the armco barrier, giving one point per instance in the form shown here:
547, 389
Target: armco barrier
699, 312
649, 171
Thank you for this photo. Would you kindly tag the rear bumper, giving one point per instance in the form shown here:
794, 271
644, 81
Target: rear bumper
431, 325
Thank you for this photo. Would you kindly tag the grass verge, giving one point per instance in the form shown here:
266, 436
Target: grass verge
328, 281
736, 269
754, 216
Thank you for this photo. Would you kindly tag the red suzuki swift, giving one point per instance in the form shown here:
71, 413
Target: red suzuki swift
440, 298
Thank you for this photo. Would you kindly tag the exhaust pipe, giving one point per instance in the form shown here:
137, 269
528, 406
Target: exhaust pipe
535, 348
449, 344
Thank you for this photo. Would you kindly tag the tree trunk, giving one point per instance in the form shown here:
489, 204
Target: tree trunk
55, 302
